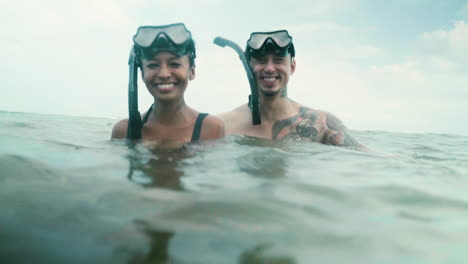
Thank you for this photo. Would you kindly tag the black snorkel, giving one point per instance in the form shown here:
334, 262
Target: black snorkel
253, 97
134, 117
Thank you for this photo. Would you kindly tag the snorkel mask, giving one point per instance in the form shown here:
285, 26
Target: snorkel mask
276, 42
148, 41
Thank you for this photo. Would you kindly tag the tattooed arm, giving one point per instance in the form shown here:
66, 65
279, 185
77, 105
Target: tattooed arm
337, 134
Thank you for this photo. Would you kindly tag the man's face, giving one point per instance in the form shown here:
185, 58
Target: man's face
272, 73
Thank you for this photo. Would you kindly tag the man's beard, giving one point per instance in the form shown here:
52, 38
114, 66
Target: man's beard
270, 93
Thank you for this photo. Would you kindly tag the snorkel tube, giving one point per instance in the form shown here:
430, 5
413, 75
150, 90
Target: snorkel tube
253, 97
134, 117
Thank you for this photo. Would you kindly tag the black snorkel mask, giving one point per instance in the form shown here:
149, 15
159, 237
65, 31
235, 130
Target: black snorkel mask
273, 42
148, 41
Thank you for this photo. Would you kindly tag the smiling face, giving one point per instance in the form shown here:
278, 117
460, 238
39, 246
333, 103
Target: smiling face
166, 75
272, 73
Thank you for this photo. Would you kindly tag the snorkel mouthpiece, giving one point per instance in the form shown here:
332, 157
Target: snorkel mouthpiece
220, 42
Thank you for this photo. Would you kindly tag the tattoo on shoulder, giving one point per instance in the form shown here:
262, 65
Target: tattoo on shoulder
339, 135
279, 125
298, 127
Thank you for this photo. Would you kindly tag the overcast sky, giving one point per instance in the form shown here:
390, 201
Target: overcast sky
378, 65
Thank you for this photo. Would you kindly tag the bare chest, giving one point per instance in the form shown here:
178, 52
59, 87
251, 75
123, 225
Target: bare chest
302, 127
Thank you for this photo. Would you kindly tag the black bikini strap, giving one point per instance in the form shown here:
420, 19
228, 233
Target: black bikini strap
145, 118
198, 126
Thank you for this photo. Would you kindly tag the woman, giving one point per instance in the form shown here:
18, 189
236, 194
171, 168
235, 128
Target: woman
166, 57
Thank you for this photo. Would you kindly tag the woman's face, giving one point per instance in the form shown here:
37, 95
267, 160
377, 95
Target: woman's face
166, 75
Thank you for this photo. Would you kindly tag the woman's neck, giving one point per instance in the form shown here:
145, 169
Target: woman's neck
171, 113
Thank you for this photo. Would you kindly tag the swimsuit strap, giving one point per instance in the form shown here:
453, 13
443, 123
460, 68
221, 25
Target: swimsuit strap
145, 118
197, 127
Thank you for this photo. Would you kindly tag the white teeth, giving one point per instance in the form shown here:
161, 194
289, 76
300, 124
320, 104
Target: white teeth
165, 85
269, 79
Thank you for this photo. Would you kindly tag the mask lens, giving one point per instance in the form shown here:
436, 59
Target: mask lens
256, 40
178, 34
281, 38
146, 35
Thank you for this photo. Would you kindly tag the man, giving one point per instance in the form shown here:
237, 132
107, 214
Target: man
271, 58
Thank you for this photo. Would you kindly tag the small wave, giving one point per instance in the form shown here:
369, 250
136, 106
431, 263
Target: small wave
16, 167
414, 217
427, 157
425, 149
22, 125
266, 163
406, 196
64, 144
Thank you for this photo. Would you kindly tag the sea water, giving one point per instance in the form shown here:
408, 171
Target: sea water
68, 194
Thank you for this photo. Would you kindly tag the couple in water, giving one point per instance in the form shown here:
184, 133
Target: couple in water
166, 56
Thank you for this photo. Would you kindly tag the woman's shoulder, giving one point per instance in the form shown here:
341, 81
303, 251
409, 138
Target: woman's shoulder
213, 127
119, 131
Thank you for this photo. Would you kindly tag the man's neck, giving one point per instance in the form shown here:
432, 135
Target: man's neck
273, 108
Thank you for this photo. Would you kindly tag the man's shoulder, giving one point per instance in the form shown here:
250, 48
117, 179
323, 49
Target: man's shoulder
241, 111
309, 111
323, 117
119, 131
237, 121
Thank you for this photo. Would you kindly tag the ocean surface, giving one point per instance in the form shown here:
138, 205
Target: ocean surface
68, 194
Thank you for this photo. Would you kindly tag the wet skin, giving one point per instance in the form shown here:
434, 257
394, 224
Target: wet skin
314, 126
167, 75
272, 73
282, 118
170, 124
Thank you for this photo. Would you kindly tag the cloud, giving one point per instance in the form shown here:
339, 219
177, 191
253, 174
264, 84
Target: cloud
424, 92
321, 27
450, 46
67, 49
464, 12
440, 69
332, 41
317, 7
70, 57
103, 12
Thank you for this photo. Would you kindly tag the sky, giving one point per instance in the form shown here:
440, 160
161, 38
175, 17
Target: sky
399, 66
